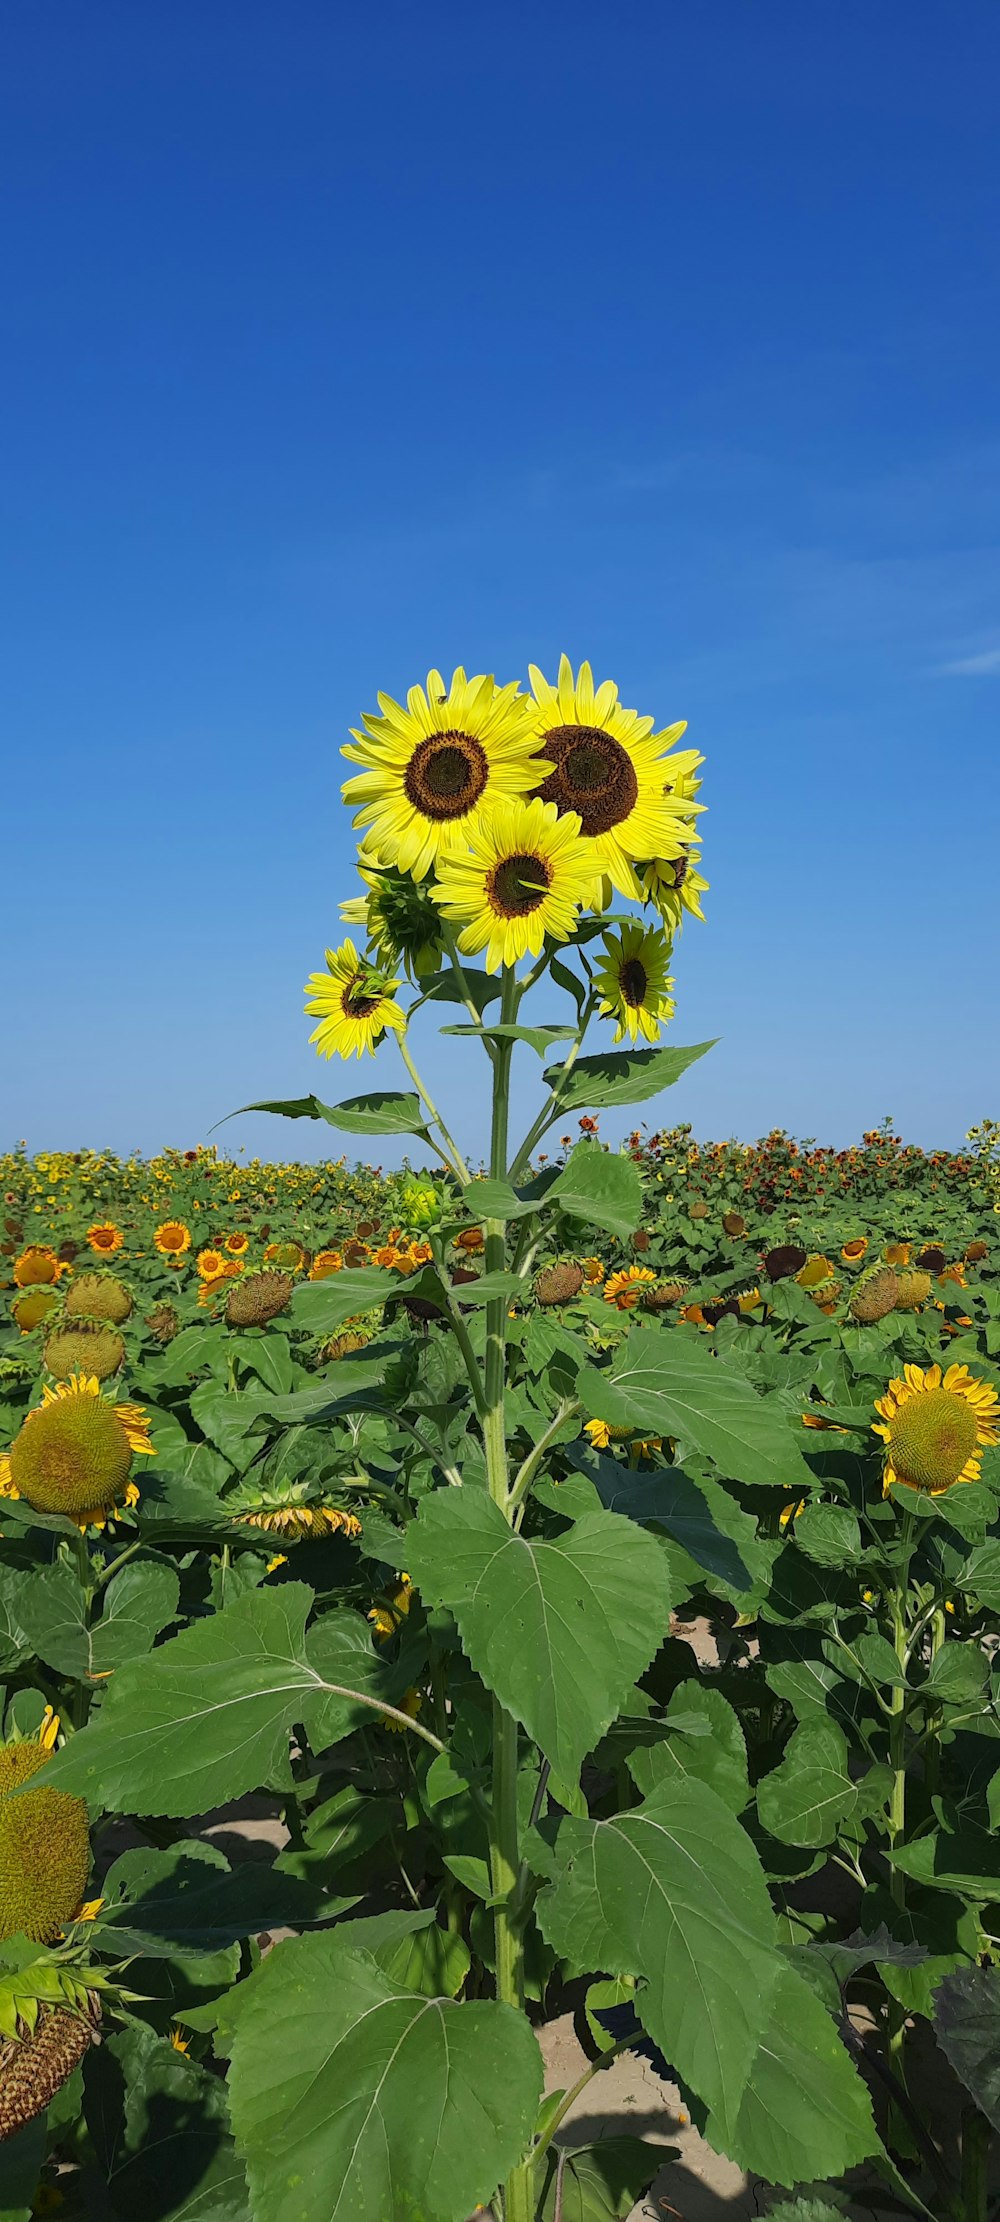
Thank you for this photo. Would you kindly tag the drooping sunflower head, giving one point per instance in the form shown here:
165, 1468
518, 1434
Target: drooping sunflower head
36, 1267
875, 1296
288, 1509
398, 916
935, 1426
558, 1284
325, 1264
44, 1849
105, 1238
164, 1323
524, 875
674, 885
913, 1290
853, 1251
784, 1260
634, 983
30, 1309
99, 1296
286, 1257
815, 1271
251, 1303
172, 1239
74, 1452
97, 1352
429, 768
610, 769
48, 2043
353, 1001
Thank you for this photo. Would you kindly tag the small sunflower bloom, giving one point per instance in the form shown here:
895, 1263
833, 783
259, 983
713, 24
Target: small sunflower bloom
324, 1264
37, 1266
210, 1263
624, 1288
411, 1705
105, 1238
74, 1453
353, 1001
633, 982
172, 1239
593, 1271
853, 1251
935, 1426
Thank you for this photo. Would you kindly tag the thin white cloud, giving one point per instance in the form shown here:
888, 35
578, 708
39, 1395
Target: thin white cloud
983, 666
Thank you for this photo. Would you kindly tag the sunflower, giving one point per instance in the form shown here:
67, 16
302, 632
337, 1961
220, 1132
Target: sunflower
612, 771
324, 1263
675, 886
624, 1288
593, 1271
210, 1264
411, 1705
633, 981
283, 1508
428, 769
230, 1270
815, 1272
524, 875
353, 1002
852, 1252
74, 1453
237, 1244
934, 1427
37, 1266
286, 1257
172, 1238
105, 1238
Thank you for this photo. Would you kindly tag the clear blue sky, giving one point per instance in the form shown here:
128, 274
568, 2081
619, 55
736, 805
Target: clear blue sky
338, 342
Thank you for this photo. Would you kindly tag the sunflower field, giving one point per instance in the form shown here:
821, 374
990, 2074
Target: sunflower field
578, 1570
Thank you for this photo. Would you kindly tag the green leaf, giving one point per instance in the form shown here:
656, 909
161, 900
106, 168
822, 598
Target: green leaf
602, 1190
958, 1672
674, 1891
966, 1859
159, 2123
980, 1576
480, 988
829, 1534
805, 1800
379, 1113
598, 2183
491, 1288
805, 2111
718, 1758
53, 1610
208, 1715
663, 1381
163, 1904
322, 1306
699, 1515
21, 2158
808, 2209
625, 1076
138, 1604
539, 1038
559, 1630
967, 2026
354, 2099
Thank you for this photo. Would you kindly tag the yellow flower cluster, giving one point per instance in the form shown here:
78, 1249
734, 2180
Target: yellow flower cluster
490, 822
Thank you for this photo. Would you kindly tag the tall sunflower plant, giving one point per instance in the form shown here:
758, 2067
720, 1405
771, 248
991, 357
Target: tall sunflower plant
408, 1542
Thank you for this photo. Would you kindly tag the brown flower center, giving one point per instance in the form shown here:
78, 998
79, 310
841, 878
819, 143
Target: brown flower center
593, 775
633, 980
357, 1000
518, 884
446, 775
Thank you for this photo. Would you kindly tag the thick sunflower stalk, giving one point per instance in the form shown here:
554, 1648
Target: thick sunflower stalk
500, 826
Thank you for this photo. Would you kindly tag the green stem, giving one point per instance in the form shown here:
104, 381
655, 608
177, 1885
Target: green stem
897, 1763
519, 2200
570, 2097
525, 1475
975, 2165
450, 1155
550, 1111
932, 1762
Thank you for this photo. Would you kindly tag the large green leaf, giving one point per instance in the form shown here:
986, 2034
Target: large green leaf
208, 1715
357, 2101
159, 2124
602, 1190
163, 1904
699, 1515
621, 1076
718, 1757
805, 2112
665, 1382
388, 1112
140, 1601
674, 1892
967, 2026
559, 1630
598, 2183
21, 2158
322, 1306
805, 1799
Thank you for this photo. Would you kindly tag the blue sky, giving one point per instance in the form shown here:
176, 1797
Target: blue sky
338, 343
